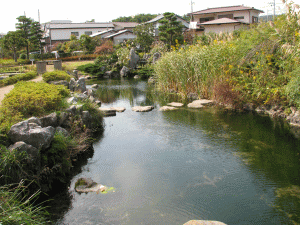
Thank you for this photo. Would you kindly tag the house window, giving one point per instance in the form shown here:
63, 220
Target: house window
202, 20
254, 19
239, 18
88, 32
75, 34
230, 16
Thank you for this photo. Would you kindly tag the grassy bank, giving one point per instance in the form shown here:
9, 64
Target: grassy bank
259, 65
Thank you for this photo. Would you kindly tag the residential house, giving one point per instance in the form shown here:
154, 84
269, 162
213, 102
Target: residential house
157, 24
121, 36
124, 25
104, 33
223, 19
61, 31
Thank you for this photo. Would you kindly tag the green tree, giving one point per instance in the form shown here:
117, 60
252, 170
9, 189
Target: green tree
13, 41
24, 25
36, 36
170, 30
140, 18
144, 36
87, 43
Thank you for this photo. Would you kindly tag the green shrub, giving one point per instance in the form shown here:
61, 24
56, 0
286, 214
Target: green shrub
20, 77
34, 99
93, 68
23, 56
56, 75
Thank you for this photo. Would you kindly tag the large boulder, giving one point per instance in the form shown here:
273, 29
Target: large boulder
87, 119
199, 103
124, 71
203, 222
80, 85
133, 59
32, 134
50, 120
60, 82
84, 185
72, 84
21, 146
63, 131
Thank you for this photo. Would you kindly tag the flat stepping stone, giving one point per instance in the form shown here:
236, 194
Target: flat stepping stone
142, 108
197, 104
118, 109
175, 104
108, 111
167, 108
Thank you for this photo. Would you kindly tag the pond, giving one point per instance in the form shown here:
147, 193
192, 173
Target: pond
175, 166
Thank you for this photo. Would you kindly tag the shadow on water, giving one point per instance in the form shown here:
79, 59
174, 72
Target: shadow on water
59, 200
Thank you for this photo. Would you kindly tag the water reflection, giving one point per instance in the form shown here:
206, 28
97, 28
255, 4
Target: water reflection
171, 167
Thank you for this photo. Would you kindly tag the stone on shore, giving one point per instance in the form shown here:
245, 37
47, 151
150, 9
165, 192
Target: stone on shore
175, 104
167, 108
84, 185
118, 109
108, 111
142, 108
197, 104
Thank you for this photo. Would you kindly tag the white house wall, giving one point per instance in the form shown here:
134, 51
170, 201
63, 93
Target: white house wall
219, 28
65, 34
120, 38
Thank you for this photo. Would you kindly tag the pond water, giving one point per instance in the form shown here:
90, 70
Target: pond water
172, 167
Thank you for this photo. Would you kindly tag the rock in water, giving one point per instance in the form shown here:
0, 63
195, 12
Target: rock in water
85, 185
142, 108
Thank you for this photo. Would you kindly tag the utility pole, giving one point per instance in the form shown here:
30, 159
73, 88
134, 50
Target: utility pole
274, 12
192, 9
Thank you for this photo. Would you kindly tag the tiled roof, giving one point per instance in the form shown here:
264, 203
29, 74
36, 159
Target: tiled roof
102, 32
221, 21
126, 24
120, 32
159, 17
78, 25
225, 9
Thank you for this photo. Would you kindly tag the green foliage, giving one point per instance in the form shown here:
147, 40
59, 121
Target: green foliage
258, 65
20, 77
170, 30
96, 116
56, 75
33, 99
93, 68
145, 36
123, 55
13, 41
139, 18
22, 56
17, 207
12, 165
145, 71
292, 89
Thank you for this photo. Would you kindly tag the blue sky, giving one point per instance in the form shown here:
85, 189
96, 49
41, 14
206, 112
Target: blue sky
105, 11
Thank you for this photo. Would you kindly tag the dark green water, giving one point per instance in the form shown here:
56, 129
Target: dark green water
172, 167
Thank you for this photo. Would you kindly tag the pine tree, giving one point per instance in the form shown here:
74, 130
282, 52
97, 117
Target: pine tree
170, 30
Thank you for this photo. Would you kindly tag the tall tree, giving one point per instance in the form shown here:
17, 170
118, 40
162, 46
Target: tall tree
13, 41
24, 25
36, 36
170, 30
144, 36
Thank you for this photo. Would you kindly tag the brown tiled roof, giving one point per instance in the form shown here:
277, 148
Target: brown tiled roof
221, 21
225, 9
126, 24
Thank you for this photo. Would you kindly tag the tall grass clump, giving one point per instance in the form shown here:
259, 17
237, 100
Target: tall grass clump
258, 65
17, 207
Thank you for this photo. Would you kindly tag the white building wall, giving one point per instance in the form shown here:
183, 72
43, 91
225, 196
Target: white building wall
219, 28
65, 34
120, 38
245, 14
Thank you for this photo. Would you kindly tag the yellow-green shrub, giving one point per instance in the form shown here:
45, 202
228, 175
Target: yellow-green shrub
34, 99
56, 75
14, 79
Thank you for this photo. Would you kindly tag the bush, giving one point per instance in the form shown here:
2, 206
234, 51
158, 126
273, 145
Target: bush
23, 56
93, 68
292, 89
56, 75
20, 77
33, 99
